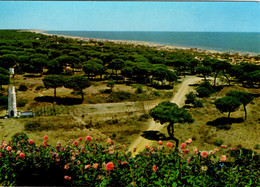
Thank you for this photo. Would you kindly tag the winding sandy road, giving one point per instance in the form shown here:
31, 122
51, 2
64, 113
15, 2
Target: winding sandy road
179, 99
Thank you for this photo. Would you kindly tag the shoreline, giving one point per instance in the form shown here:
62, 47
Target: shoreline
147, 44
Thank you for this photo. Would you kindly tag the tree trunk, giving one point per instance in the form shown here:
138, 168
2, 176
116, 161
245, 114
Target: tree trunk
205, 78
226, 78
245, 112
229, 114
177, 143
170, 130
82, 95
215, 78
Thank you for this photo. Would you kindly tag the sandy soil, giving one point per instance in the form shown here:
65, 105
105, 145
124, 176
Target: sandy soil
178, 98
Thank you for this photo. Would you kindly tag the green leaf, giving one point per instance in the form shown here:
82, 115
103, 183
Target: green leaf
174, 184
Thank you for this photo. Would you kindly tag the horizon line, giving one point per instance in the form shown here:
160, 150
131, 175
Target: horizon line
44, 30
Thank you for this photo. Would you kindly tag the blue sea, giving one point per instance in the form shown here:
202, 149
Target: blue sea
242, 42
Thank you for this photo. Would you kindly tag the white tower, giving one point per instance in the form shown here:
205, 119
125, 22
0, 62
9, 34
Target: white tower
12, 109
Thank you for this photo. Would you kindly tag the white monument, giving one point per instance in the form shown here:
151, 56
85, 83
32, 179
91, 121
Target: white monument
12, 109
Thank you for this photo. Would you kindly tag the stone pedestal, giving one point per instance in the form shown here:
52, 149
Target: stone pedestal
12, 109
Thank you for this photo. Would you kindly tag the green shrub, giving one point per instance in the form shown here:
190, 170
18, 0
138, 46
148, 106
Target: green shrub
18, 137
218, 142
21, 102
207, 85
114, 135
205, 89
87, 164
257, 146
119, 96
32, 126
203, 92
39, 87
3, 100
156, 93
190, 98
168, 94
22, 87
75, 93
198, 103
224, 126
143, 117
105, 91
139, 90
114, 121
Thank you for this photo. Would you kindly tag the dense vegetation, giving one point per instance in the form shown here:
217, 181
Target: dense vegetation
37, 53
84, 162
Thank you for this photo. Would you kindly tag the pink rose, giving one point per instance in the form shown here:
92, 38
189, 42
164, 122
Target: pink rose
22, 155
110, 141
183, 145
67, 177
95, 166
154, 168
186, 151
204, 154
170, 145
109, 166
88, 138
31, 142
223, 158
75, 143
188, 141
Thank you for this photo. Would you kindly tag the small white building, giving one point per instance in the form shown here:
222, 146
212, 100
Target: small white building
12, 109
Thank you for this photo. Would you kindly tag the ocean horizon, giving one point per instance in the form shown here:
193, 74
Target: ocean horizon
234, 42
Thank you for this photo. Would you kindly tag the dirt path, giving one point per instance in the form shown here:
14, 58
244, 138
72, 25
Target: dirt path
179, 99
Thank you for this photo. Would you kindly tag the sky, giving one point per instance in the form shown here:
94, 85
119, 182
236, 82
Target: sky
130, 16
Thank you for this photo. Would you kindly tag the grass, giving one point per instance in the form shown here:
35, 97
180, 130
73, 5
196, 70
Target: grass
240, 132
124, 120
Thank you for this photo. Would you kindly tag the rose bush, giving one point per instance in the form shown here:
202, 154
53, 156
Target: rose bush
91, 164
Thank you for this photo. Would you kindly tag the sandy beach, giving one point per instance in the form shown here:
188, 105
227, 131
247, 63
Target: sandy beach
215, 53
130, 42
